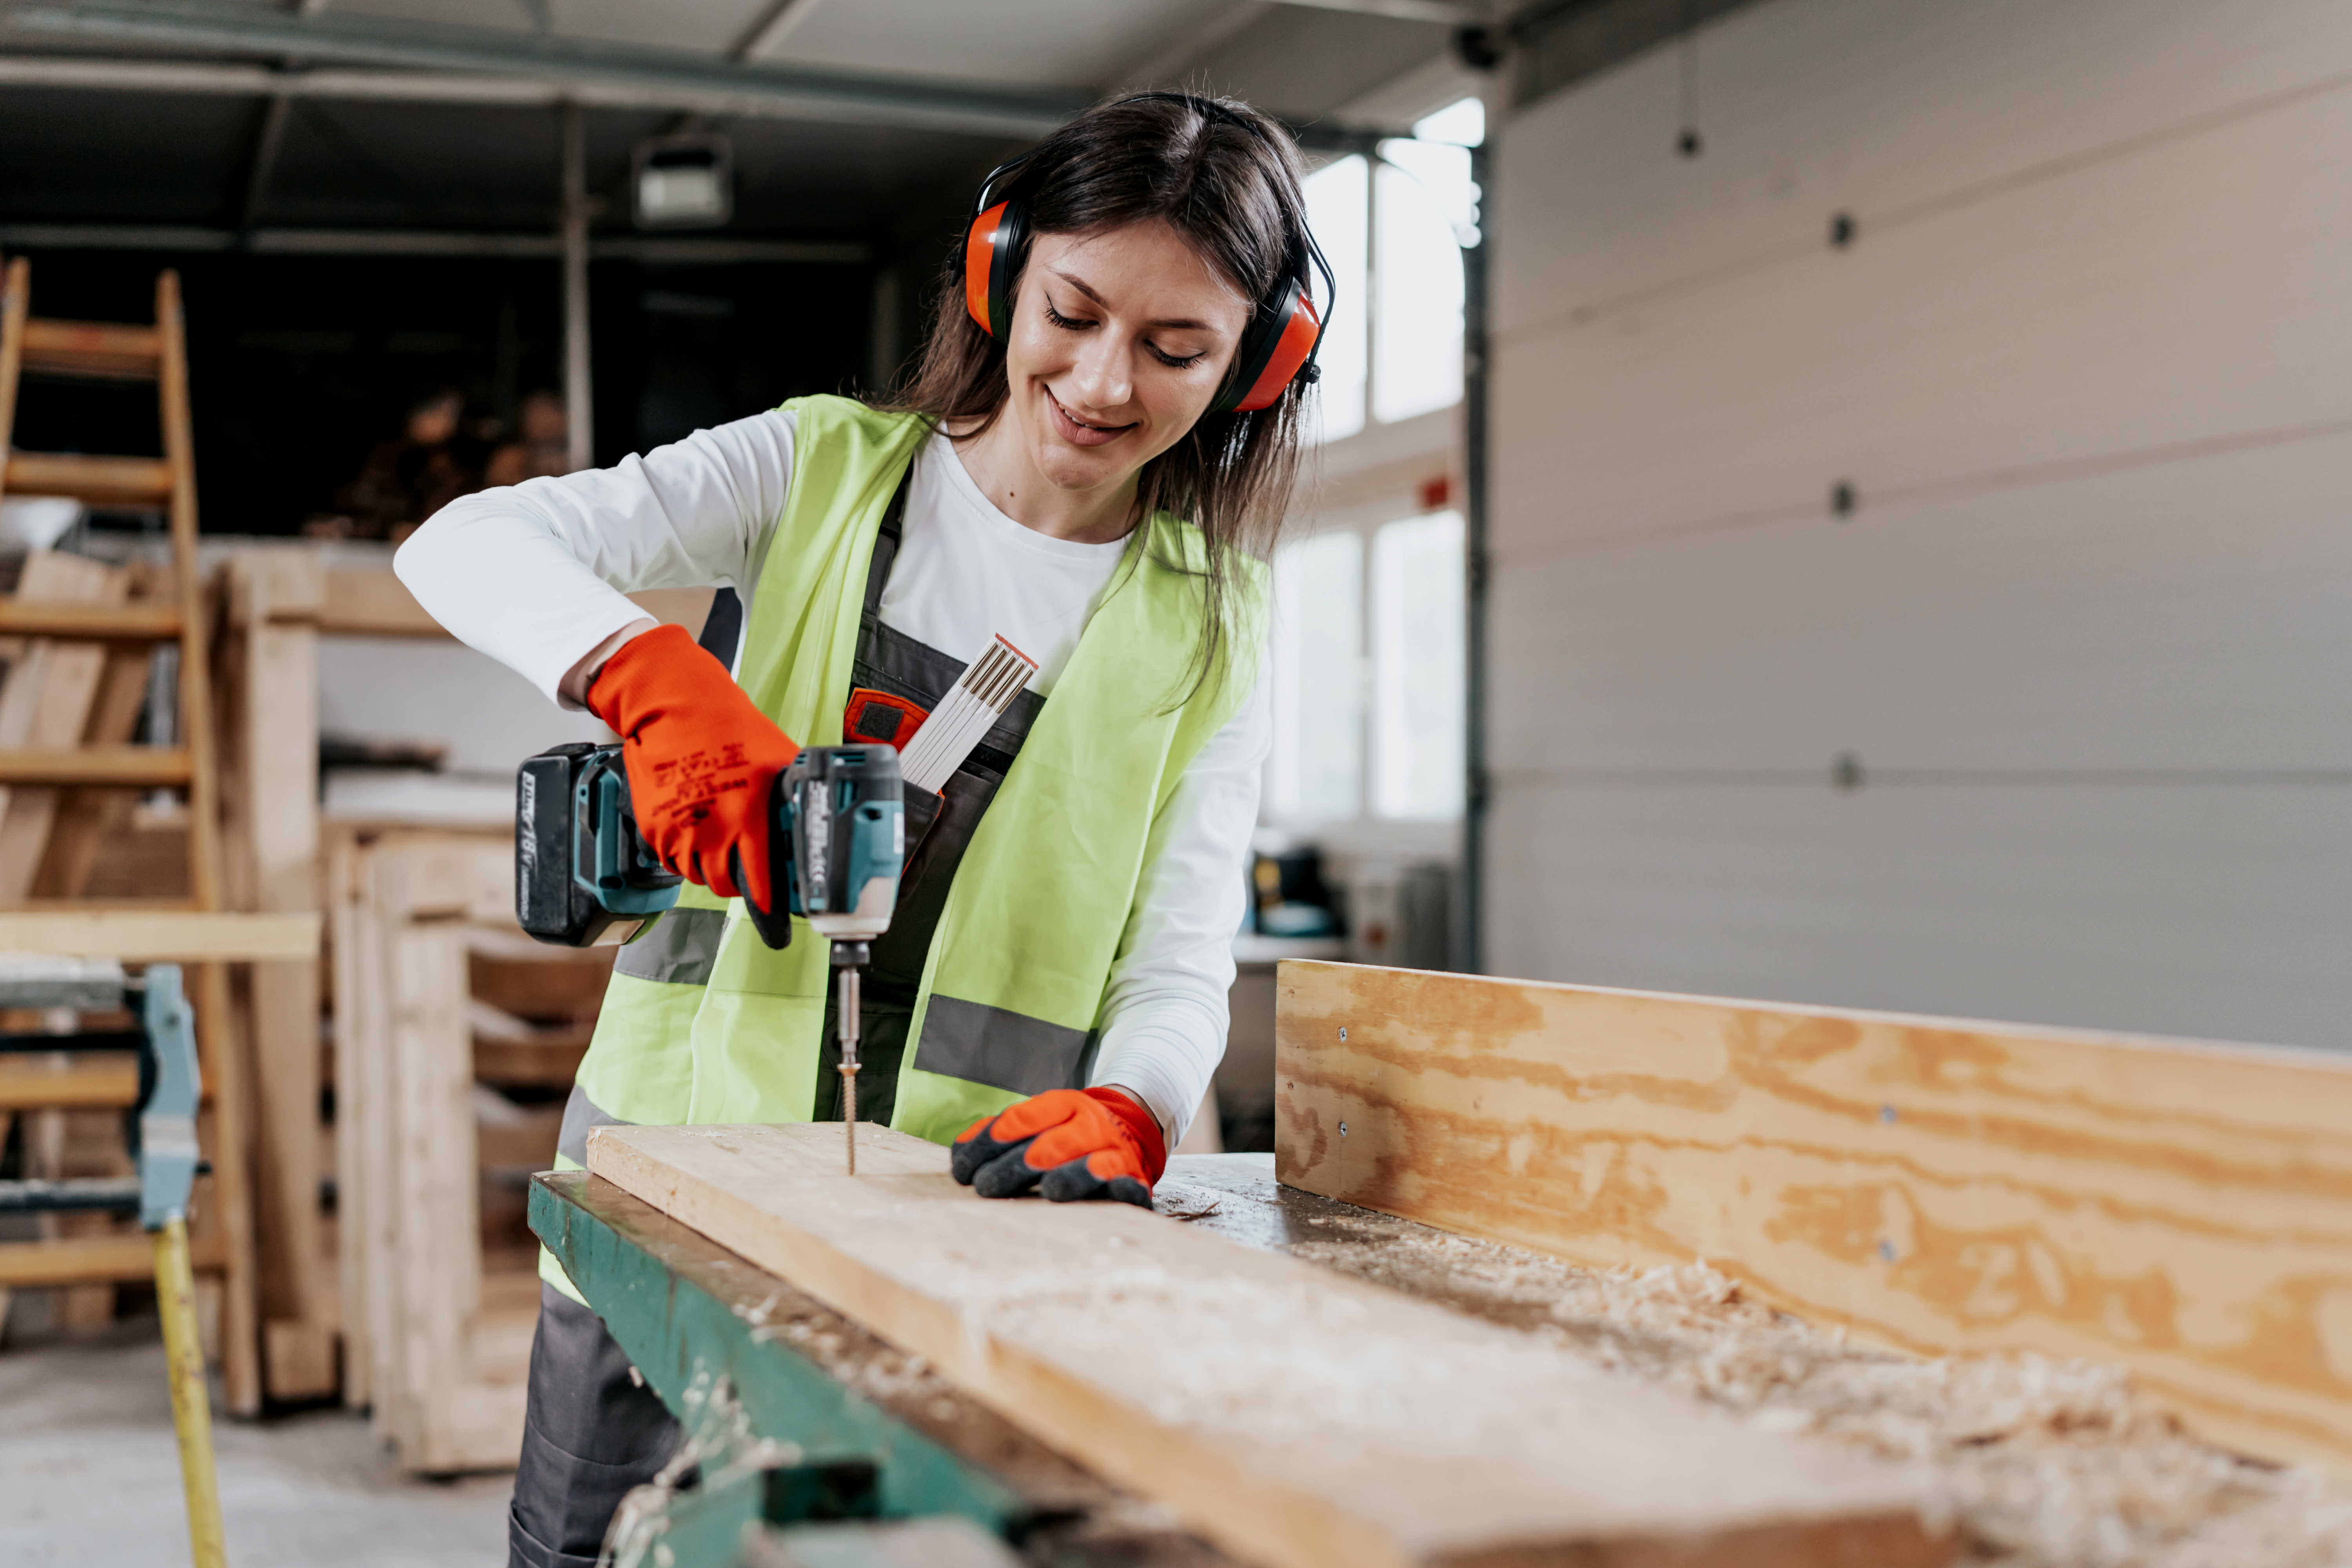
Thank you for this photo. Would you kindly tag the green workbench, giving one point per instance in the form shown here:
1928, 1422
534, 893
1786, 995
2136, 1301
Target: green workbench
820, 1446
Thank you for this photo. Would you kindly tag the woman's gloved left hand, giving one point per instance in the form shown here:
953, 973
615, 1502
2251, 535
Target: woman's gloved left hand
1071, 1145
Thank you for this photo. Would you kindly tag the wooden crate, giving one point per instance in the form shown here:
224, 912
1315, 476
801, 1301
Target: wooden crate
439, 1282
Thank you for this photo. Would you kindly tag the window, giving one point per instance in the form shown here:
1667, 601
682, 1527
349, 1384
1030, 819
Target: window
1393, 236
1369, 668
1417, 651
1339, 209
1369, 655
1318, 682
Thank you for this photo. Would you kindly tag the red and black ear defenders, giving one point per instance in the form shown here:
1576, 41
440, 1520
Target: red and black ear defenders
1278, 347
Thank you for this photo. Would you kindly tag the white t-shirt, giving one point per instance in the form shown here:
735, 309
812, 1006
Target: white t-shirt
533, 576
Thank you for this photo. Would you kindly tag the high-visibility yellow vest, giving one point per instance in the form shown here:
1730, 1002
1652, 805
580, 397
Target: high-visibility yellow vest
702, 1023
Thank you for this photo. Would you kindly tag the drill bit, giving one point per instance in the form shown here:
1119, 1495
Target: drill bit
848, 1005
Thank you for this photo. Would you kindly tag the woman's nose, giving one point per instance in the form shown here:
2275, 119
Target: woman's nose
1103, 379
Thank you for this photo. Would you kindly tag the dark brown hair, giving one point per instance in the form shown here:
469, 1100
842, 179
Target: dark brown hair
1223, 177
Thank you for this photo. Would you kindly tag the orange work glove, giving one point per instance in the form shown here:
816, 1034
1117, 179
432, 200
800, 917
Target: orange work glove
1068, 1143
702, 760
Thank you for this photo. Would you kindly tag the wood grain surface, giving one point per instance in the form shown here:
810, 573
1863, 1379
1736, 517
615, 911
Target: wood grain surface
1295, 1416
1934, 1184
161, 936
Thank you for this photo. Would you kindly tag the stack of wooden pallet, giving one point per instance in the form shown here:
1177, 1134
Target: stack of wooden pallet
456, 1038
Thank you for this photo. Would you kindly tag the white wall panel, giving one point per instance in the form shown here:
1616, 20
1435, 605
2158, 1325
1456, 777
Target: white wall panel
2090, 632
2194, 614
1811, 107
2193, 290
2206, 912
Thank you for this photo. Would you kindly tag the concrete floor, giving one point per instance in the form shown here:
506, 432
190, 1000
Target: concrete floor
90, 1477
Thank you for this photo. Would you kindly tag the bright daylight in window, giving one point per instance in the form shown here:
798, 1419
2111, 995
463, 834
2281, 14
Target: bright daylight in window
1395, 239
1369, 650
1417, 661
1318, 682
1339, 209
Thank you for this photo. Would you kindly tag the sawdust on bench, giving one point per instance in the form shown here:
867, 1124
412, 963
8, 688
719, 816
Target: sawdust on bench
2047, 1463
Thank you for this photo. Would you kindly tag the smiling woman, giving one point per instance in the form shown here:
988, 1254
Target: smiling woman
1147, 299
1089, 464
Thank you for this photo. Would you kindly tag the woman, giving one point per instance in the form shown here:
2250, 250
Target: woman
1089, 459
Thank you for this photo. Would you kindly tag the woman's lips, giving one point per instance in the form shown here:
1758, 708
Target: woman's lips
1077, 434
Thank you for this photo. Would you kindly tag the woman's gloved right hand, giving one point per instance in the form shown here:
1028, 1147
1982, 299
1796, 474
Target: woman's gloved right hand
702, 760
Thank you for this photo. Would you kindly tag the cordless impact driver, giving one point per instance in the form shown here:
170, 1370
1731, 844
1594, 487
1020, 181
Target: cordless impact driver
585, 877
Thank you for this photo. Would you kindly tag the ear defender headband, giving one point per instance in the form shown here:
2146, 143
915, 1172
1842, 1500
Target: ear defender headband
1277, 349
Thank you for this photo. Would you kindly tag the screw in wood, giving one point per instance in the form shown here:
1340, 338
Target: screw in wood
1343, 1031
1343, 1130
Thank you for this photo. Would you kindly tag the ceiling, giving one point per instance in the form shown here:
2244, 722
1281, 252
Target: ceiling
857, 121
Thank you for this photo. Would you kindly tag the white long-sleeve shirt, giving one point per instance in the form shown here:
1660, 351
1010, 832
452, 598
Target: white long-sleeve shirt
533, 576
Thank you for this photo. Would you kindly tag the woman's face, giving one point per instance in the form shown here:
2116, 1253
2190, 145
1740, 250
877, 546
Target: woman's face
1119, 339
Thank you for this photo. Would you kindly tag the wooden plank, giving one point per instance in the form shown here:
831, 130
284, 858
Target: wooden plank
360, 1089
72, 675
1934, 1184
161, 936
1292, 1415
364, 603
83, 815
100, 481
108, 349
436, 1284
270, 693
48, 685
15, 291
114, 767
82, 1260
38, 1083
147, 623
528, 1064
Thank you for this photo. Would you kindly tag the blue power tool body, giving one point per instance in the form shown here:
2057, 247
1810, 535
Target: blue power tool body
584, 875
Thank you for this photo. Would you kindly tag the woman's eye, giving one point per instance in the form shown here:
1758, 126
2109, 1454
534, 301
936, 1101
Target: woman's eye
1067, 323
1174, 363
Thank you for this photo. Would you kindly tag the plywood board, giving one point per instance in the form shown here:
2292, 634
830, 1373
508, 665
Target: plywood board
1936, 1184
1297, 1418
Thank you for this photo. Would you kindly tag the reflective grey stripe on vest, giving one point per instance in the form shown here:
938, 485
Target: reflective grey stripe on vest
580, 1114
1003, 1049
680, 949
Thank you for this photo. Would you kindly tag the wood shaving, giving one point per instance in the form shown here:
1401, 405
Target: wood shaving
2044, 1462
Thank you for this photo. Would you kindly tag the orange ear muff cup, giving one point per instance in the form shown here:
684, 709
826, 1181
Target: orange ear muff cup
1272, 353
1289, 350
980, 264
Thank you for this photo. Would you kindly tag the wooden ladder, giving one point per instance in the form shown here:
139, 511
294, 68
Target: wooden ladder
107, 350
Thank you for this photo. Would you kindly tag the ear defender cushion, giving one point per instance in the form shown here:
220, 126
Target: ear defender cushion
988, 248
1279, 344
